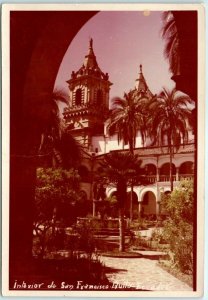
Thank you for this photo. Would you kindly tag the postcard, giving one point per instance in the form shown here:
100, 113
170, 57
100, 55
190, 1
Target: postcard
103, 150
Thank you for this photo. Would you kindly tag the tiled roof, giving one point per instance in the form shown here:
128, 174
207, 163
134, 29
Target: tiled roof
187, 148
153, 151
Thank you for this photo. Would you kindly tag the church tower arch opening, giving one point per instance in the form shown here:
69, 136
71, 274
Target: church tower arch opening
78, 97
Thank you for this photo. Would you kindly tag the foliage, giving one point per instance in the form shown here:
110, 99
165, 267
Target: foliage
120, 169
169, 121
172, 46
75, 240
169, 118
56, 189
70, 256
56, 141
178, 228
113, 206
51, 124
139, 224
127, 118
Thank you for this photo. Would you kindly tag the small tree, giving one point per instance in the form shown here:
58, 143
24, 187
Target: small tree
56, 198
120, 169
127, 118
178, 228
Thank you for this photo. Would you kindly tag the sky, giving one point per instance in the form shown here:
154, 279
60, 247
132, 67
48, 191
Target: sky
121, 41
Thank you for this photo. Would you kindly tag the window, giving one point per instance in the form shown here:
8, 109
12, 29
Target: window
78, 97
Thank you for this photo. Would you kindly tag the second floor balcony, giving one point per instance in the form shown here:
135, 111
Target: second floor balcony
166, 178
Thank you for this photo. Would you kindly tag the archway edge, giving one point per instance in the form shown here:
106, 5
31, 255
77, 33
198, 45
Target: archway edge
111, 190
146, 190
59, 30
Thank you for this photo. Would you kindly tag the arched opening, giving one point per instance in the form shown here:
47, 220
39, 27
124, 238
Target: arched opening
112, 211
78, 97
84, 173
164, 197
150, 171
165, 172
148, 207
186, 170
134, 205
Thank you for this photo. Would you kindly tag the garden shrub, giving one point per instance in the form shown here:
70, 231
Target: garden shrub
178, 228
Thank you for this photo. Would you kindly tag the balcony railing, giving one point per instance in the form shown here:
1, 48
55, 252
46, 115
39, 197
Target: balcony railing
166, 178
151, 178
186, 176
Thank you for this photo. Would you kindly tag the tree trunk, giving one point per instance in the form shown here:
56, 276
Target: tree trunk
131, 202
121, 230
171, 169
131, 148
53, 221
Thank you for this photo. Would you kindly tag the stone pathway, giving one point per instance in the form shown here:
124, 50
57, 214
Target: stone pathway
141, 273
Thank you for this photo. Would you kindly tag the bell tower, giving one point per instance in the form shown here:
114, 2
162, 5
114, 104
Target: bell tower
88, 99
141, 87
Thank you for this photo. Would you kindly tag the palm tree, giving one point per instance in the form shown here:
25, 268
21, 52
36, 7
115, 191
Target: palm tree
169, 119
172, 46
56, 140
127, 118
120, 168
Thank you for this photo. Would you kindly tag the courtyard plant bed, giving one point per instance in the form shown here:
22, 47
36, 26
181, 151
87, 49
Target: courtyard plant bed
65, 273
173, 270
125, 254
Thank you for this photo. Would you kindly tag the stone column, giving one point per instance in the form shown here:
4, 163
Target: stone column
158, 174
177, 174
93, 209
158, 208
139, 208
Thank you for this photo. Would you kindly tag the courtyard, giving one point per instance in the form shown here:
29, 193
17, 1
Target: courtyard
103, 182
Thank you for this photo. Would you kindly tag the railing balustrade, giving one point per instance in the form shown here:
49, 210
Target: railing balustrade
166, 178
151, 178
186, 176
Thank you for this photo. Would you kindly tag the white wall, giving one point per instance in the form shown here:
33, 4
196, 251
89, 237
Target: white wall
105, 144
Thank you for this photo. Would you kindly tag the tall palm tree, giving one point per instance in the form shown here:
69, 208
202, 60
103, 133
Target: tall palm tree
126, 120
169, 119
172, 46
120, 168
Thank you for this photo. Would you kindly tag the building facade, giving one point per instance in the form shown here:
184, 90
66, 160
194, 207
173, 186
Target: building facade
89, 92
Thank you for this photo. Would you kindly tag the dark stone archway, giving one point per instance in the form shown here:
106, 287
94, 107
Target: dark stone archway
38, 42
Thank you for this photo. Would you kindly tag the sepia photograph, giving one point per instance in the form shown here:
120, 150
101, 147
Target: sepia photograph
103, 150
